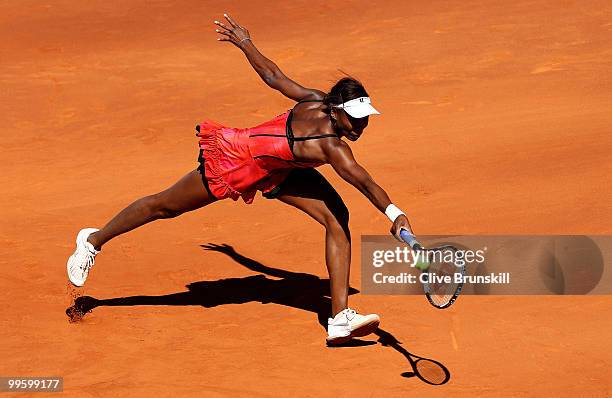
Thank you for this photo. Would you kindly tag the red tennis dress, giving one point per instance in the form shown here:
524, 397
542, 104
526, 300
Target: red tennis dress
238, 162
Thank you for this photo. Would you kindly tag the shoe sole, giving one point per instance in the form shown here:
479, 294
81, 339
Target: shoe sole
361, 331
68, 271
338, 340
70, 280
366, 328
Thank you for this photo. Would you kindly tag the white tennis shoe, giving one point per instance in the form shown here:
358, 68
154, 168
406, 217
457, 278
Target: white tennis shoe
348, 324
82, 259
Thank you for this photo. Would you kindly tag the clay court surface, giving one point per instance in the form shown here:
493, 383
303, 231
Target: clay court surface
496, 120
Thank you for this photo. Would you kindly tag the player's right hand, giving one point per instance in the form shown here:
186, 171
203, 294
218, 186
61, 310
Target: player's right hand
401, 222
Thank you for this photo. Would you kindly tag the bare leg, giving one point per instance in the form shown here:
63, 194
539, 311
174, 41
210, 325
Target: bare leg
310, 192
187, 194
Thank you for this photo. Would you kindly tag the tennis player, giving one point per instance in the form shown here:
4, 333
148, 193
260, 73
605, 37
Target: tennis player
278, 158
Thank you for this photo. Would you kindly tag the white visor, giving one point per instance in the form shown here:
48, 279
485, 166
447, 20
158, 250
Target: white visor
358, 107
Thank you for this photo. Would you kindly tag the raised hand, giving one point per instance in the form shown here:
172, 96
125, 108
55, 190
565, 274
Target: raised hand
266, 69
233, 33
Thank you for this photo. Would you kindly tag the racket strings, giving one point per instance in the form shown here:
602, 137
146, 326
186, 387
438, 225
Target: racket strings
442, 285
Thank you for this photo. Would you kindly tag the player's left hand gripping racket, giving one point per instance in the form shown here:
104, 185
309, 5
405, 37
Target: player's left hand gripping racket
438, 262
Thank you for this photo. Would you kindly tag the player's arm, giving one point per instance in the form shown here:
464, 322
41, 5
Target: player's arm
269, 72
340, 157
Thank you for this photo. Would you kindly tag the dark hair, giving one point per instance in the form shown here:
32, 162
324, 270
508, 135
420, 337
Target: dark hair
345, 89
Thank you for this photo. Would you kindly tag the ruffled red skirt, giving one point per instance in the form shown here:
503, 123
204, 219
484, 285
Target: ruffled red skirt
229, 168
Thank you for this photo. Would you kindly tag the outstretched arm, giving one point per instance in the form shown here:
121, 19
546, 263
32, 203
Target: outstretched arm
269, 72
341, 158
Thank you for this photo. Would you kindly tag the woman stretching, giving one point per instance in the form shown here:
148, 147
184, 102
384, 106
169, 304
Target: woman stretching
277, 158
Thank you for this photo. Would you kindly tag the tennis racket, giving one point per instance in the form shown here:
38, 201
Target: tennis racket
441, 285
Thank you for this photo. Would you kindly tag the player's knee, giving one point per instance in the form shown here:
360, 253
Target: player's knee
342, 215
159, 207
168, 212
337, 218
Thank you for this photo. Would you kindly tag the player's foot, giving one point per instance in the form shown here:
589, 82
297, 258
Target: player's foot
82, 259
348, 324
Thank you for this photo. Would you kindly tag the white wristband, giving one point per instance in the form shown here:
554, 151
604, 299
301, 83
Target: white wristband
393, 212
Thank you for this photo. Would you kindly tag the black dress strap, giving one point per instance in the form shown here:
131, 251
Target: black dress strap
312, 100
314, 137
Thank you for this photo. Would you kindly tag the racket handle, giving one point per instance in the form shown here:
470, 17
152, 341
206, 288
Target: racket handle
410, 239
